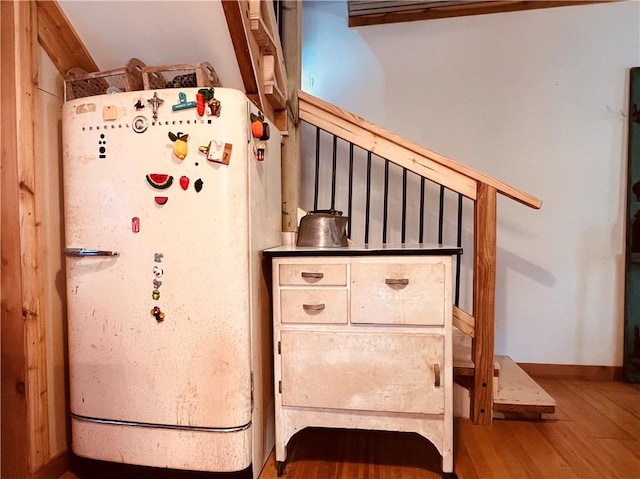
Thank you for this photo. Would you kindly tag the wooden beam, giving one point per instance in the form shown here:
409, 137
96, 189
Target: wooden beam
14, 434
259, 28
37, 394
484, 292
235, 23
291, 20
262, 14
23, 329
269, 78
378, 13
60, 40
255, 38
247, 53
27, 83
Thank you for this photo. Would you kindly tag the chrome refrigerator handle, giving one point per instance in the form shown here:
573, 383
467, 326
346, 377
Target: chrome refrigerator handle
88, 252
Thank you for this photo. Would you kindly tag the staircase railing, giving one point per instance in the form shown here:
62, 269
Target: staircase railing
371, 150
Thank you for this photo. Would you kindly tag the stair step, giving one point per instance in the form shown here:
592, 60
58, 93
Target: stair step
462, 363
515, 393
518, 395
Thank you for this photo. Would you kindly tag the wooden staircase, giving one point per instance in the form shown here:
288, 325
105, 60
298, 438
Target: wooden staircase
488, 386
515, 394
495, 386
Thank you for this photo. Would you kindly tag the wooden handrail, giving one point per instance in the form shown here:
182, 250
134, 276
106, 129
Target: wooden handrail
406, 153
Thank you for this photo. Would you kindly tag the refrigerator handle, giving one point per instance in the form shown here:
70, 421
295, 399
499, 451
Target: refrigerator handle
88, 252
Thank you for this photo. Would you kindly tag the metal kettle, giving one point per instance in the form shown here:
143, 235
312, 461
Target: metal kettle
323, 229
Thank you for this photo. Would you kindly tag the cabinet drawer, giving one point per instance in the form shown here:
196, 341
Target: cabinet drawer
313, 306
313, 274
391, 372
398, 293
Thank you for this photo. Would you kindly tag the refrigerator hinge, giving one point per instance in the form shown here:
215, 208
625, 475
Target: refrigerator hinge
251, 390
280, 387
279, 347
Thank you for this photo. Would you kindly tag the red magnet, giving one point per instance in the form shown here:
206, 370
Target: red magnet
159, 315
259, 150
159, 181
200, 104
161, 200
184, 182
135, 224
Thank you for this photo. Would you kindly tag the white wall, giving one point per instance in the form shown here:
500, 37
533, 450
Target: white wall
167, 32
537, 99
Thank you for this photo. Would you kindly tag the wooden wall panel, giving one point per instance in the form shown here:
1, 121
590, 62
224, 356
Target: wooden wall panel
14, 406
25, 428
51, 264
27, 82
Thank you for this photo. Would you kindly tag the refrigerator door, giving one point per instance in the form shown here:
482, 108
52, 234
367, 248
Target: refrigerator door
157, 265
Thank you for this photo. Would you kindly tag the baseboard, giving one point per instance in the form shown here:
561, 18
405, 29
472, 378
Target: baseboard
54, 469
573, 371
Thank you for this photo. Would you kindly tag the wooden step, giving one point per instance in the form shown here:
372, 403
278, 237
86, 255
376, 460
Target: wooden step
518, 395
462, 363
515, 393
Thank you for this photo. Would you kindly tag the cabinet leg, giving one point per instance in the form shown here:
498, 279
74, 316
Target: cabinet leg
280, 468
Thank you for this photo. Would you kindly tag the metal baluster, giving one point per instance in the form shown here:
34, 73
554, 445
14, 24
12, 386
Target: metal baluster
459, 243
333, 172
441, 215
317, 179
368, 203
385, 206
404, 206
350, 204
421, 234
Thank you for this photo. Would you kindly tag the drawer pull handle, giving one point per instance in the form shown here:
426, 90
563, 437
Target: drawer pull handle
307, 275
313, 307
396, 282
436, 373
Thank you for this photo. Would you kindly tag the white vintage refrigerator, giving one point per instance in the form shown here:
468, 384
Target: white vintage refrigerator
168, 303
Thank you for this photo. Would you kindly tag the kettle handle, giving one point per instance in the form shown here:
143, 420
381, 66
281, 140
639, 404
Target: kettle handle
329, 211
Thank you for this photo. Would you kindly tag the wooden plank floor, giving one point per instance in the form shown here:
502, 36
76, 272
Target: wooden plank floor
594, 433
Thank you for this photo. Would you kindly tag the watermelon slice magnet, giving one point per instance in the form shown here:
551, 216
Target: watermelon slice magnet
161, 200
159, 181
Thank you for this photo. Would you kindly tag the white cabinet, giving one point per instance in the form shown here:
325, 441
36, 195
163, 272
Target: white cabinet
362, 339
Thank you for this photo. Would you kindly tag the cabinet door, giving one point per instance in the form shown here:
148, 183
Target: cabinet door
391, 372
398, 293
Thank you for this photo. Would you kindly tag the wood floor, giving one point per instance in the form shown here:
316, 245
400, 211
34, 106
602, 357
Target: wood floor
595, 433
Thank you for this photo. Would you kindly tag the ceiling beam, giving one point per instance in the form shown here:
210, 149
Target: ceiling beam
247, 52
366, 12
59, 39
256, 41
